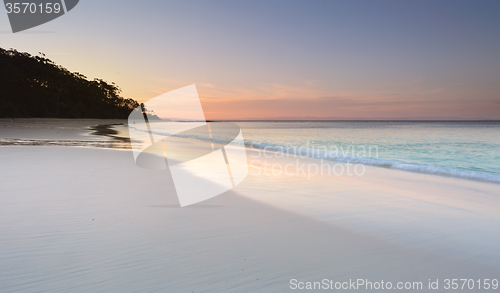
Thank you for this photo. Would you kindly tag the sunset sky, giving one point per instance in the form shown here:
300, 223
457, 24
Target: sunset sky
287, 59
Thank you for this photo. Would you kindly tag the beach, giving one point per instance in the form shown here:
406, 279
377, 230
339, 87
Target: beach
80, 219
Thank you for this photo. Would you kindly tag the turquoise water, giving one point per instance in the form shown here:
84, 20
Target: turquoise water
459, 149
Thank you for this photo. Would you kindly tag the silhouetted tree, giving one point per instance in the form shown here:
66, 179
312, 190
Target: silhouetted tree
34, 86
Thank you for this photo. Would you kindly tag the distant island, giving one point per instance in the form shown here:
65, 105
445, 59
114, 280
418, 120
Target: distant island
34, 86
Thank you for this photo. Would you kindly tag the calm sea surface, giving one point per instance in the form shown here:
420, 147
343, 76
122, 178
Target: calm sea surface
459, 149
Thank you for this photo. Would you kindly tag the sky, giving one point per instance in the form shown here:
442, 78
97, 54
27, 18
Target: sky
287, 59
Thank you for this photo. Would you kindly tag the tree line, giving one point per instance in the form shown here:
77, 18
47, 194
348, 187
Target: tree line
34, 86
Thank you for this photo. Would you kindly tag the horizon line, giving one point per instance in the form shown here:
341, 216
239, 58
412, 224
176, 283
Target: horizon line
354, 120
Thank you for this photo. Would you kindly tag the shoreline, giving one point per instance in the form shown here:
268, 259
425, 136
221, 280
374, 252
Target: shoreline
123, 132
387, 166
113, 133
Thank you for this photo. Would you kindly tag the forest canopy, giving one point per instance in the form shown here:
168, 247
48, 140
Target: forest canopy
34, 86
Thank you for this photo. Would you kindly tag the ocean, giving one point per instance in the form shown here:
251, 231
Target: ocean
469, 150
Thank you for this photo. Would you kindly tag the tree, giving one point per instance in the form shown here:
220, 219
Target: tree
34, 86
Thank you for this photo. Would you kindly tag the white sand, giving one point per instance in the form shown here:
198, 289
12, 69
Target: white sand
88, 220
